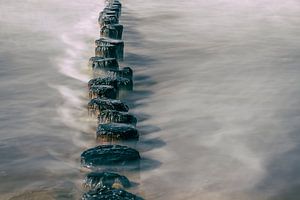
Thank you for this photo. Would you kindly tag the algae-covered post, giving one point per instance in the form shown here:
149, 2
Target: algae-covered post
96, 180
106, 51
114, 116
101, 63
107, 193
113, 8
108, 19
99, 105
109, 155
114, 31
126, 72
108, 41
116, 132
103, 91
117, 82
103, 81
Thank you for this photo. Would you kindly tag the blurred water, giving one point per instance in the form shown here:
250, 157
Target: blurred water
45, 46
225, 94
216, 94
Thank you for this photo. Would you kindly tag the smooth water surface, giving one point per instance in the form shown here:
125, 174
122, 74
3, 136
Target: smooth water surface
216, 94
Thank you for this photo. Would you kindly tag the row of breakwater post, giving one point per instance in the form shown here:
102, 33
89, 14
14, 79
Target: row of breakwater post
116, 130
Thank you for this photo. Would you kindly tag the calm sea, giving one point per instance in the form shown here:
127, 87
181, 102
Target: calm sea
216, 92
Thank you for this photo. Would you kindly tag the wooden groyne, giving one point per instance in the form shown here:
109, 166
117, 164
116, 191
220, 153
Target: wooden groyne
115, 125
